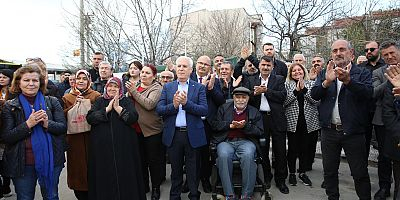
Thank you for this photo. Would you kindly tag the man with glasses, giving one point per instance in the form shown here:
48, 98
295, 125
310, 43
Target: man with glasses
344, 91
166, 77
215, 98
376, 65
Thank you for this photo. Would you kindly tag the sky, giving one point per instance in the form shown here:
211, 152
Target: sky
37, 28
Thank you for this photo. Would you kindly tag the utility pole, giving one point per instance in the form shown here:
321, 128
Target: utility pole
82, 34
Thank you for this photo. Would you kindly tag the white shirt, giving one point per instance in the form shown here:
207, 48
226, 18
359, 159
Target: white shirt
335, 114
181, 116
264, 106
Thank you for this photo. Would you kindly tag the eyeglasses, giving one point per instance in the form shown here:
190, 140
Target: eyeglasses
298, 60
369, 49
166, 77
204, 64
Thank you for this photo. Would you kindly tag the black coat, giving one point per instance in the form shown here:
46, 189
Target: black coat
114, 170
15, 131
391, 119
215, 97
276, 95
253, 127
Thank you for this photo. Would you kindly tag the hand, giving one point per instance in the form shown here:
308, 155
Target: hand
313, 73
170, 65
211, 82
225, 81
41, 115
116, 105
393, 75
241, 124
237, 81
396, 91
33, 119
343, 74
79, 98
300, 85
176, 100
330, 75
110, 106
260, 89
183, 96
131, 86
244, 53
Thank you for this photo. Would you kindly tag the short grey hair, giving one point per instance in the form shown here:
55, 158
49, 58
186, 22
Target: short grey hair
228, 63
106, 63
188, 59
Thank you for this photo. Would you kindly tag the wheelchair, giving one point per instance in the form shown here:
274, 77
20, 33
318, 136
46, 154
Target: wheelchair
260, 185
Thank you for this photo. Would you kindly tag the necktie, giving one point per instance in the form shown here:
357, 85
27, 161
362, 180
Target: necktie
200, 80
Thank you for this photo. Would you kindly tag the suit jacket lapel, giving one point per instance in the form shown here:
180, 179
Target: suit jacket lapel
271, 80
191, 88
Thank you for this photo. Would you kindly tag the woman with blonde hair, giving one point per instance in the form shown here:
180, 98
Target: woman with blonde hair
302, 121
77, 154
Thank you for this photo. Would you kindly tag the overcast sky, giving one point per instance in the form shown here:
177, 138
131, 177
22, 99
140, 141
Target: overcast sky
36, 28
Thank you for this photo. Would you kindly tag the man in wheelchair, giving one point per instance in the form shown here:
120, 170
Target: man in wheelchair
237, 128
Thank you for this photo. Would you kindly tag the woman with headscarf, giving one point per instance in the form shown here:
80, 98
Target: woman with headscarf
77, 154
34, 130
6, 76
146, 97
114, 170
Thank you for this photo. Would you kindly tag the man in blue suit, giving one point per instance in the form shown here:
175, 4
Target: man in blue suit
181, 105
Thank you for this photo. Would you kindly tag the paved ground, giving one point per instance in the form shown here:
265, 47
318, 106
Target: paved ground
299, 192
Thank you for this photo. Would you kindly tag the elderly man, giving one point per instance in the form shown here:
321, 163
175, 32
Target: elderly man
106, 72
182, 104
299, 59
215, 98
237, 127
97, 58
390, 115
345, 91
166, 77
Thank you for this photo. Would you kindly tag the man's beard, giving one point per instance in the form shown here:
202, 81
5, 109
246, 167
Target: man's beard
373, 58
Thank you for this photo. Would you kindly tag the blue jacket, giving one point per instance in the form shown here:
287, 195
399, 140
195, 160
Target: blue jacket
353, 100
195, 107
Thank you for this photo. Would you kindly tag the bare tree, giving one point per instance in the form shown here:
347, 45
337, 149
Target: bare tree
132, 29
288, 19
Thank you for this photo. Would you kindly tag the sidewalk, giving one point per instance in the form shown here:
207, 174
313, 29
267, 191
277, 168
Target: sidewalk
299, 192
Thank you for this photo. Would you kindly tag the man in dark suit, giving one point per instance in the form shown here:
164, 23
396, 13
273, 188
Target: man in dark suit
215, 98
345, 91
182, 104
268, 95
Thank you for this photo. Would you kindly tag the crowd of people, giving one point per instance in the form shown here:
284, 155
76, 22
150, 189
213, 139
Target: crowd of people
119, 134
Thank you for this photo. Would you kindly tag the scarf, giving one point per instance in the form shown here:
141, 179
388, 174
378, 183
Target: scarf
117, 81
75, 90
42, 145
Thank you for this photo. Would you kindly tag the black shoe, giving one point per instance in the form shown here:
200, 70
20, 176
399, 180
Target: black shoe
283, 188
155, 194
206, 185
304, 178
292, 179
185, 188
381, 194
267, 180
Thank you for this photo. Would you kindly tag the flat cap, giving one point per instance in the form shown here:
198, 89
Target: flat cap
241, 90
